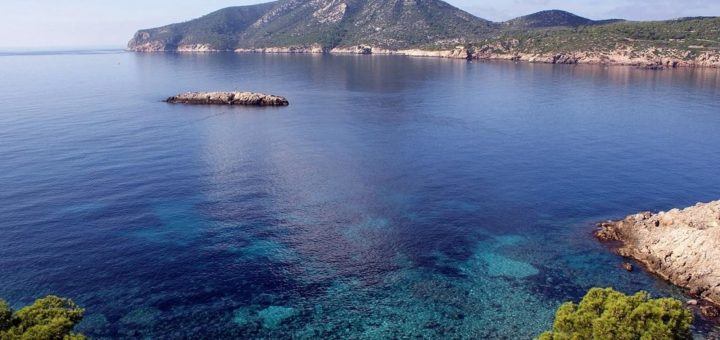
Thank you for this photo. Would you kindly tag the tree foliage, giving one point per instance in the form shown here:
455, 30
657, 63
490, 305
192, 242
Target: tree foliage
607, 314
49, 318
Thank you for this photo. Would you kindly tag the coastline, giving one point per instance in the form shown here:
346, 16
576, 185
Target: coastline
647, 59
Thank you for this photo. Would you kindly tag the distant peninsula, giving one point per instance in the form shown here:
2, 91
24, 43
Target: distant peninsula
433, 28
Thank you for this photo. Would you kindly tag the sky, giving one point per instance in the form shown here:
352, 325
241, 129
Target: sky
38, 24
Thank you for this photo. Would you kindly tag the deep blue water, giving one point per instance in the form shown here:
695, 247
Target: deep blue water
395, 197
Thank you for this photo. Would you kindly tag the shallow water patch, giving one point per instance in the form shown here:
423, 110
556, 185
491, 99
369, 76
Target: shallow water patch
498, 265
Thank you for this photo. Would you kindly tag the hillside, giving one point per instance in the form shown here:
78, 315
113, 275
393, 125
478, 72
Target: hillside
329, 23
221, 30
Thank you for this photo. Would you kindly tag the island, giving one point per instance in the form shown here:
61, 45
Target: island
681, 246
228, 98
434, 28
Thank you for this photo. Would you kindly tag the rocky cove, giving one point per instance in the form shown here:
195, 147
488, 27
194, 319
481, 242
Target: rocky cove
681, 246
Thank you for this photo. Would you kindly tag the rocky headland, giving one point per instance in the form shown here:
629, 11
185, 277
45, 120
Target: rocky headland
682, 246
228, 98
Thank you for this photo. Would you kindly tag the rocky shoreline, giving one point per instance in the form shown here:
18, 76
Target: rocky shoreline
228, 98
622, 56
681, 246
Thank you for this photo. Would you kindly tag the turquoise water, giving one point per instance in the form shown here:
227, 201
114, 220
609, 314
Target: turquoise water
394, 198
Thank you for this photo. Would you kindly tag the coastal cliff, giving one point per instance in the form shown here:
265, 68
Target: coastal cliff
682, 246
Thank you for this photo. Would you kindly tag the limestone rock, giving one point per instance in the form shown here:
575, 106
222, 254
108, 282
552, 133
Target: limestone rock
682, 246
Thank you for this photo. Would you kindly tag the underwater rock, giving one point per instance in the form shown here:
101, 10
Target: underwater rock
241, 317
681, 246
627, 266
228, 98
140, 319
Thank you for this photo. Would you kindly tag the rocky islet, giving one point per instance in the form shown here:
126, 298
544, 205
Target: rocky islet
228, 98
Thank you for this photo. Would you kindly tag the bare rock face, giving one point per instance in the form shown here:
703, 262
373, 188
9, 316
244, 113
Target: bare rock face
682, 246
228, 98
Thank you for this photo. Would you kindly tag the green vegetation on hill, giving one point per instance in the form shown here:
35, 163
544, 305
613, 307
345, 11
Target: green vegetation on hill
49, 318
692, 34
608, 314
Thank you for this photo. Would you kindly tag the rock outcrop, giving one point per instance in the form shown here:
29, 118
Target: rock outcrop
228, 98
682, 246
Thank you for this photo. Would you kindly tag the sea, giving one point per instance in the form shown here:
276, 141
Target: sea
395, 198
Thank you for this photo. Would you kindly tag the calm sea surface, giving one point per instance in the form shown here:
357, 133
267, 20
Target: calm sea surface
395, 197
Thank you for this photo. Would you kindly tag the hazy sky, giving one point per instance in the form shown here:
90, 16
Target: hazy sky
111, 23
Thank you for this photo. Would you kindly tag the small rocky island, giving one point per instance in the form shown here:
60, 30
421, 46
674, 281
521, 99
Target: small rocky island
682, 246
228, 98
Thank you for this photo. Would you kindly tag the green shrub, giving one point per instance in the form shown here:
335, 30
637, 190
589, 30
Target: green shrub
608, 314
49, 318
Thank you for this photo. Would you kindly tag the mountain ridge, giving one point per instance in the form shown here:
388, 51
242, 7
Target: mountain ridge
553, 18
